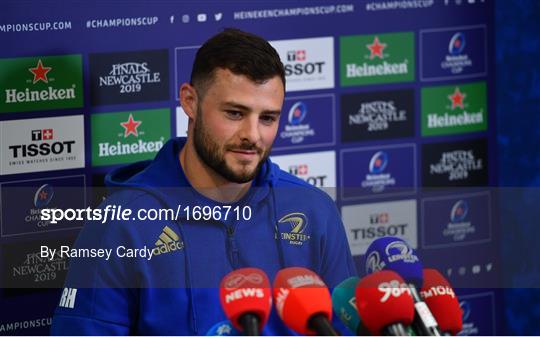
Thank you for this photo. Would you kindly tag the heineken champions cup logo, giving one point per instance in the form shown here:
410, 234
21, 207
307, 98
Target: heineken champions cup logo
41, 83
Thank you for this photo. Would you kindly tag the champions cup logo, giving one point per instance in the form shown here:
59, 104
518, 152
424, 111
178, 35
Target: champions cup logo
374, 263
295, 130
376, 179
297, 113
298, 223
238, 280
459, 211
400, 251
458, 228
378, 162
456, 61
465, 309
457, 44
43, 196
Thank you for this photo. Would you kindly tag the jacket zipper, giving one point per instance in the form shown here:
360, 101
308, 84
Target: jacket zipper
234, 253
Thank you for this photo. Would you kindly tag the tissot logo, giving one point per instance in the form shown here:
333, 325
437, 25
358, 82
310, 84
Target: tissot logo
129, 77
128, 136
309, 63
454, 109
377, 115
364, 223
455, 164
316, 168
381, 58
42, 144
451, 53
41, 83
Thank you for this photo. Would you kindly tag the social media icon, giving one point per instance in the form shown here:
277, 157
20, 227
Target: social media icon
201, 17
218, 16
185, 18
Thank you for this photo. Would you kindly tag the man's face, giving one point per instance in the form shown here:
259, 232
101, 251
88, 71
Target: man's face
236, 123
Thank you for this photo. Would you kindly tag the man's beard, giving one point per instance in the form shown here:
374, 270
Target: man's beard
210, 153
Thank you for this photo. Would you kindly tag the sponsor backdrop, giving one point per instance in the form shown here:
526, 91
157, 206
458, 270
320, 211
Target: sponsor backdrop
389, 108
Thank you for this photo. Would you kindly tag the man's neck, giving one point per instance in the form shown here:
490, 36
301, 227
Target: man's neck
206, 181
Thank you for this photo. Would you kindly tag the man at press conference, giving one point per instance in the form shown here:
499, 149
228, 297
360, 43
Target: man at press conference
233, 103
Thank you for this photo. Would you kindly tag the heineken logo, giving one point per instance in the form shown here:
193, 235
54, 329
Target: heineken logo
376, 49
457, 99
41, 83
463, 110
40, 72
125, 137
381, 58
131, 127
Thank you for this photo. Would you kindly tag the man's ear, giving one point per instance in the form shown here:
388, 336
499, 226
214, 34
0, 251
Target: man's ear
189, 100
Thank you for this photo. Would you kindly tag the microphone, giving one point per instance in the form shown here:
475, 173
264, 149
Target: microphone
223, 328
385, 304
344, 303
391, 253
303, 302
442, 301
246, 298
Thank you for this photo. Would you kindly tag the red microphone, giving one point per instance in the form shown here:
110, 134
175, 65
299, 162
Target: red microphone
442, 301
303, 302
246, 298
385, 304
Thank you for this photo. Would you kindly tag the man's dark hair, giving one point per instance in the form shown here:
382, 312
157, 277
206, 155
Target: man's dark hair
240, 52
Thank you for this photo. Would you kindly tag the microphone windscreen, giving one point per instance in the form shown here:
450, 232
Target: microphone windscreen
299, 293
392, 253
383, 299
344, 303
223, 328
442, 301
246, 290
